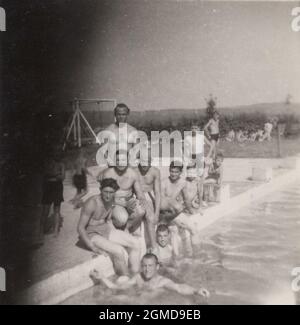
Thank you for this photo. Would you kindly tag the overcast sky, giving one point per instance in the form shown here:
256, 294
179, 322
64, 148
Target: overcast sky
160, 54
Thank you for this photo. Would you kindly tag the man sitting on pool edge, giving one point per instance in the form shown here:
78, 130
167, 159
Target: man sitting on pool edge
149, 279
97, 231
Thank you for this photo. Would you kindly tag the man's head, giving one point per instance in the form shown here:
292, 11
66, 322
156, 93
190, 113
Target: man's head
175, 170
219, 159
216, 115
121, 113
108, 187
162, 235
195, 128
121, 160
149, 266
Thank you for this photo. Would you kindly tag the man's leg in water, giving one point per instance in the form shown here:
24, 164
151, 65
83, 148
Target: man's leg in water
115, 251
131, 243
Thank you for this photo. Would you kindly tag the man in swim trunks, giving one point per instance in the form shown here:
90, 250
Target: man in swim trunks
213, 132
213, 181
128, 182
194, 146
193, 189
149, 178
80, 178
149, 280
172, 193
97, 231
54, 174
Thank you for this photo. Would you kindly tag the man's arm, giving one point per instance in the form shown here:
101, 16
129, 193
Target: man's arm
206, 128
157, 192
179, 189
187, 201
119, 286
184, 289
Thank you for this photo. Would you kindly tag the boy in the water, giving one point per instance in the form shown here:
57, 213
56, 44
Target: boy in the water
164, 250
149, 280
213, 181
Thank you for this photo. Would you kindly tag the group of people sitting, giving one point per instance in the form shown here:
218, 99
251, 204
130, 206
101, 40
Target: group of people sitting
250, 135
133, 199
135, 205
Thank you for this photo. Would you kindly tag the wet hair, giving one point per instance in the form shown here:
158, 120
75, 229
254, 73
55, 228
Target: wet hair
121, 105
150, 255
109, 182
176, 164
162, 227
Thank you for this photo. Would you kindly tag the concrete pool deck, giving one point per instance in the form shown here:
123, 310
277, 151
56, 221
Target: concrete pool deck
61, 269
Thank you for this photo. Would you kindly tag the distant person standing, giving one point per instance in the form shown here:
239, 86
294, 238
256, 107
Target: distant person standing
213, 132
80, 178
267, 131
54, 174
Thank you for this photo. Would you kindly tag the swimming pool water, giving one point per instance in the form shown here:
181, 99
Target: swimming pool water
245, 258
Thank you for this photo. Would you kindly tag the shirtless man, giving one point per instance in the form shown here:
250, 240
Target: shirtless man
119, 135
128, 182
172, 190
213, 131
97, 231
79, 178
149, 280
149, 178
213, 181
54, 174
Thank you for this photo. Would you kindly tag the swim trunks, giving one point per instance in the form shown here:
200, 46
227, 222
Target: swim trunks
102, 229
215, 136
52, 192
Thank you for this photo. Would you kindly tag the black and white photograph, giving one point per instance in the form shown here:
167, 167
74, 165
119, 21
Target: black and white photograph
149, 153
